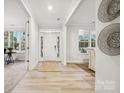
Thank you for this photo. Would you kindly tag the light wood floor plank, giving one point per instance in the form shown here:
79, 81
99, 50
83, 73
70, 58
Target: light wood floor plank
52, 77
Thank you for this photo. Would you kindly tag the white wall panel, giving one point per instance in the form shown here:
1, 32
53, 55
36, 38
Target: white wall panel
107, 67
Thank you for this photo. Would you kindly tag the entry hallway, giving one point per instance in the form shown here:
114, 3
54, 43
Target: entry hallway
53, 77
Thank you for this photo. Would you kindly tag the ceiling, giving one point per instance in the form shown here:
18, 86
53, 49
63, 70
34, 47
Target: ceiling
14, 13
43, 16
85, 13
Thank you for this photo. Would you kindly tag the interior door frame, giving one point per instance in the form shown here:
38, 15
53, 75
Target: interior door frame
27, 38
41, 34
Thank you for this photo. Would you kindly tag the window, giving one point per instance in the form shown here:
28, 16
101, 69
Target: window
86, 40
93, 40
14, 40
6, 37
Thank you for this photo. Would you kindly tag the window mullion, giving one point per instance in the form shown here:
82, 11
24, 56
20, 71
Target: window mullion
9, 40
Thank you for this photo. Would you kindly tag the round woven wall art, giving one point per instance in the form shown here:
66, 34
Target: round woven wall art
109, 40
109, 10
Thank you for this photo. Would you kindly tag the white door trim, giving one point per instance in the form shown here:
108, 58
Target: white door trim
49, 31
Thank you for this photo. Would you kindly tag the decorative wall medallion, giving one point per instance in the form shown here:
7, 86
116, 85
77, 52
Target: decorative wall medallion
109, 40
109, 10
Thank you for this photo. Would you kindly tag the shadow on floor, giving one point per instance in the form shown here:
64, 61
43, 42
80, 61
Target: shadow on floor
85, 67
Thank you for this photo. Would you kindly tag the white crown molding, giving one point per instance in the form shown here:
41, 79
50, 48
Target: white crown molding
82, 24
50, 26
14, 28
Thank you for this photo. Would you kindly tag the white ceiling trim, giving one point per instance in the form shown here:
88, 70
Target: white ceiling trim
93, 23
49, 30
50, 26
14, 28
72, 9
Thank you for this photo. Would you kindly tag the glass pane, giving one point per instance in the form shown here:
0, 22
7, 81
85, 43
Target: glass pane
6, 33
81, 47
6, 36
16, 46
5, 44
81, 38
17, 40
81, 44
92, 44
86, 44
41, 46
93, 39
22, 45
84, 38
11, 36
22, 35
58, 47
11, 44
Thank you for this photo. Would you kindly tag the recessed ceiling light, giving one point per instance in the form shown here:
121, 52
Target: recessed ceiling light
50, 7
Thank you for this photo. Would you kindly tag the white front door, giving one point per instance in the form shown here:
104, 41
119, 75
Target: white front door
49, 46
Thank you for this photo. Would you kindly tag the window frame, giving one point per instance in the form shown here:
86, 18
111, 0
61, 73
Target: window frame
90, 33
9, 41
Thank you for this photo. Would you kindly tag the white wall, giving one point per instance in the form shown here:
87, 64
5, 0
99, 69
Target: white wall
64, 45
19, 56
14, 13
73, 54
82, 18
85, 13
15, 17
107, 67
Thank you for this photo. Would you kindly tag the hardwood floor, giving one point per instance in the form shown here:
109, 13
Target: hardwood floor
13, 73
48, 66
53, 77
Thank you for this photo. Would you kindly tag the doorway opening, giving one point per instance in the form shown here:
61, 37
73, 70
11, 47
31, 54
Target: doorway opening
49, 46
